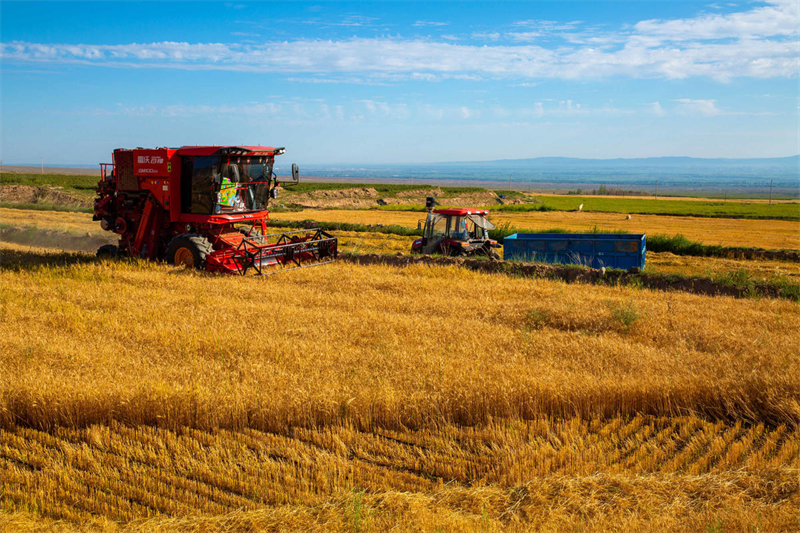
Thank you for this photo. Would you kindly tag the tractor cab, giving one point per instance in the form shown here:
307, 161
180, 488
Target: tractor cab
456, 232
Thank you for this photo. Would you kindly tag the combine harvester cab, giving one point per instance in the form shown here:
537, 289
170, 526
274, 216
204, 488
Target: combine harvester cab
204, 207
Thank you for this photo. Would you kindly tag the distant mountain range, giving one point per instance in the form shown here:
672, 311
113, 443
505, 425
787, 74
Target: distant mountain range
676, 173
655, 163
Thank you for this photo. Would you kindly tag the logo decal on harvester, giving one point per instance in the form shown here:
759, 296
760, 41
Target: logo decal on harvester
150, 160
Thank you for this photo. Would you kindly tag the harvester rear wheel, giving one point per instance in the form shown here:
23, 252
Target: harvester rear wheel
189, 249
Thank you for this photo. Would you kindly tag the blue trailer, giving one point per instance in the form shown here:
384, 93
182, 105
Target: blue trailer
597, 250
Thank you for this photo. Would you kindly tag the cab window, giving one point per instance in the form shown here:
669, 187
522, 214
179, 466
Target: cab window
197, 184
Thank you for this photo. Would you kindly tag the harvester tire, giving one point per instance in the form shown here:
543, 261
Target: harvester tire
255, 233
108, 251
189, 249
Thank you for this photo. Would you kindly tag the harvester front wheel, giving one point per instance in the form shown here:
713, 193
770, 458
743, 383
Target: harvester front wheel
189, 250
246, 231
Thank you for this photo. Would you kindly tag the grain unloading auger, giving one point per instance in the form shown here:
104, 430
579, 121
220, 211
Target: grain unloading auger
204, 207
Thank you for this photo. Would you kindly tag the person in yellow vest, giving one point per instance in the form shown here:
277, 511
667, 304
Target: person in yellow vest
227, 192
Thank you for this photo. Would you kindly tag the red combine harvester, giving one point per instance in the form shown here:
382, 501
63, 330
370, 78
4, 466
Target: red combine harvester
204, 207
456, 232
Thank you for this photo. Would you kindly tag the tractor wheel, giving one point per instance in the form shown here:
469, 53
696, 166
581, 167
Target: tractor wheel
189, 249
488, 252
108, 251
449, 251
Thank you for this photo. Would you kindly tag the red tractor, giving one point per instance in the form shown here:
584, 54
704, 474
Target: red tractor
456, 232
204, 207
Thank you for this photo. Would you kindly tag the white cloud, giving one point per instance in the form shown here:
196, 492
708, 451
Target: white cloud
548, 25
499, 111
324, 111
320, 110
421, 23
759, 43
181, 110
779, 18
656, 108
524, 37
698, 107
436, 113
396, 111
352, 21
486, 35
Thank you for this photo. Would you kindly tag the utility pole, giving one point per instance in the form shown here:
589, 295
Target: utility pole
770, 192
43, 165
656, 189
509, 183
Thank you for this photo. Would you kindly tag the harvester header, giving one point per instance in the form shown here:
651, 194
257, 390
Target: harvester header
204, 207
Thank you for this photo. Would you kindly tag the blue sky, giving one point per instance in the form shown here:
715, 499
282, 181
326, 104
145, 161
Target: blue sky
394, 82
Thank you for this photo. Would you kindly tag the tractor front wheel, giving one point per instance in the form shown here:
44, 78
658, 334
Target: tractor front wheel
189, 250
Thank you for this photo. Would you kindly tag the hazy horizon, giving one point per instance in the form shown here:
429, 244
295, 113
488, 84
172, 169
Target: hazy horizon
432, 163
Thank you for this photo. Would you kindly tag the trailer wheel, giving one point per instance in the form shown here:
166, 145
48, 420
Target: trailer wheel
189, 249
108, 251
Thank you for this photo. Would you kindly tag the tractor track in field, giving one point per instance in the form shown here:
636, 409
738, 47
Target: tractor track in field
573, 274
64, 240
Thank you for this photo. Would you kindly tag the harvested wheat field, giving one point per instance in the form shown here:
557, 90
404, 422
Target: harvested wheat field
81, 224
770, 234
138, 396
